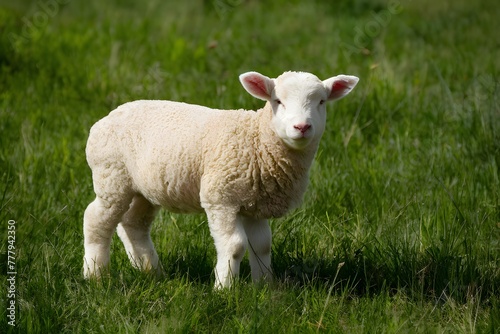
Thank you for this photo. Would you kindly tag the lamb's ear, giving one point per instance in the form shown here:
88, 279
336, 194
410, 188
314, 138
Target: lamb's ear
257, 85
340, 85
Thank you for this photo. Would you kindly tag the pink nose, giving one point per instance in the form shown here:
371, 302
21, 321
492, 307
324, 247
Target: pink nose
302, 127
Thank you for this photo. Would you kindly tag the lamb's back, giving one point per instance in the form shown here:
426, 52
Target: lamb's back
161, 146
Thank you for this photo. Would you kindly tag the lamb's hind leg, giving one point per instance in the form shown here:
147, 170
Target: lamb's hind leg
99, 223
134, 231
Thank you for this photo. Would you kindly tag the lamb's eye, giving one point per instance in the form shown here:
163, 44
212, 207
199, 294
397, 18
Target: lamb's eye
278, 101
322, 102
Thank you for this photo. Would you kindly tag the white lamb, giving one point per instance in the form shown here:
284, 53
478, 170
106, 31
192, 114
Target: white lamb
241, 167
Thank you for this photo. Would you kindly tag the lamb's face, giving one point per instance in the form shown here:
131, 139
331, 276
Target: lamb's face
298, 102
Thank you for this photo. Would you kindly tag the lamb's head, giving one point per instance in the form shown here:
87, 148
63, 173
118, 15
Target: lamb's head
298, 102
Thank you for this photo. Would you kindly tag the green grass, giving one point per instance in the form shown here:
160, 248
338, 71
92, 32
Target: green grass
400, 228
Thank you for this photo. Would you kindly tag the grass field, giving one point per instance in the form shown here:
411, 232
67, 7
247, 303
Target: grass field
400, 228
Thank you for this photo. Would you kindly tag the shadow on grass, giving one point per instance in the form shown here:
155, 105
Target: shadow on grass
431, 274
428, 275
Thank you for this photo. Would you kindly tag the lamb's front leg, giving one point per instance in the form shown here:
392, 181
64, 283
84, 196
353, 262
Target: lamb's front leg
230, 242
259, 238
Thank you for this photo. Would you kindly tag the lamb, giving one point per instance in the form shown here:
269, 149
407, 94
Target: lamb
240, 167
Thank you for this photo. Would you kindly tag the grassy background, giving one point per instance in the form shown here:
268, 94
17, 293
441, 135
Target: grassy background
400, 229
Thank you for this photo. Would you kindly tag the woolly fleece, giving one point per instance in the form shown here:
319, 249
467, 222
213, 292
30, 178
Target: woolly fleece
241, 167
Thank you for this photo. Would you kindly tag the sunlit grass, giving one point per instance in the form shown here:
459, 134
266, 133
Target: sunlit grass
399, 231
